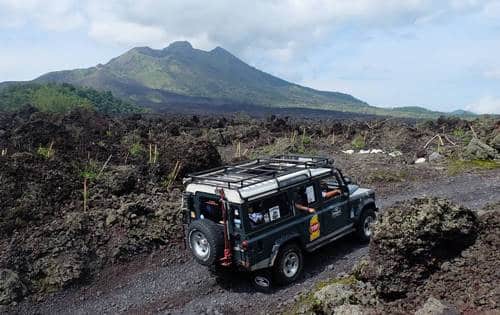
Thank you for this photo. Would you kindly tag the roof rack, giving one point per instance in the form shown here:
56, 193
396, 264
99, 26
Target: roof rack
257, 171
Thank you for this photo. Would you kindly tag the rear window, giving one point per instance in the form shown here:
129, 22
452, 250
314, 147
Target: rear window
269, 210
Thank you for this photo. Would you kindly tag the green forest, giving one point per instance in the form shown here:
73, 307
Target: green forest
62, 98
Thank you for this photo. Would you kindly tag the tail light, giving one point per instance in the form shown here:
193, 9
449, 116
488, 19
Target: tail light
244, 245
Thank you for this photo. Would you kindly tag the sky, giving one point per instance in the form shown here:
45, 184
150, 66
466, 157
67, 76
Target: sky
442, 54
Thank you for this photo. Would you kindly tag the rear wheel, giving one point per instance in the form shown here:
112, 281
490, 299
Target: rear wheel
206, 241
288, 265
365, 225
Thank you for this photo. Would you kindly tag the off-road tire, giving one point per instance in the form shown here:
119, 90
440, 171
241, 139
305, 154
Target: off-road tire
214, 236
280, 275
362, 233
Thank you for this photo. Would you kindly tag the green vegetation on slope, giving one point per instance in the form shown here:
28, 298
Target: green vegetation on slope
147, 76
61, 98
180, 74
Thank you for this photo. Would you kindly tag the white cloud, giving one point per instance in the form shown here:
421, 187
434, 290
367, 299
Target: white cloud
127, 32
269, 26
485, 105
54, 15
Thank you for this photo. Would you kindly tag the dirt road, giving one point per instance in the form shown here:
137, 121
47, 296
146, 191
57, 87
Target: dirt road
149, 286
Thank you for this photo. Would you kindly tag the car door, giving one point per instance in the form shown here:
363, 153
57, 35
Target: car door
266, 220
306, 196
335, 210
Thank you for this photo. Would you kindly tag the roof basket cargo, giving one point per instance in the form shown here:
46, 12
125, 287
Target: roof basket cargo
309, 161
257, 171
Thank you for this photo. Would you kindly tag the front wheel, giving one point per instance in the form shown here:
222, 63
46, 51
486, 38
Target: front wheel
365, 225
288, 265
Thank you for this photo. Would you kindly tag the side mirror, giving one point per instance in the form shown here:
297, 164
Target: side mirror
347, 180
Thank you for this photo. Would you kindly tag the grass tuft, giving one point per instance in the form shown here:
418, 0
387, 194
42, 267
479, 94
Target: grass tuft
458, 166
46, 152
358, 143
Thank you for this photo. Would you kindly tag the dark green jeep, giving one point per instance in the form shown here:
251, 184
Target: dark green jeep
262, 214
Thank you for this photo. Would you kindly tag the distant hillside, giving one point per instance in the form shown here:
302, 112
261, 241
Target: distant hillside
61, 98
179, 75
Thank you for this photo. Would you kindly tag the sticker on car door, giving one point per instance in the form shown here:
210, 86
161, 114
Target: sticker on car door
314, 228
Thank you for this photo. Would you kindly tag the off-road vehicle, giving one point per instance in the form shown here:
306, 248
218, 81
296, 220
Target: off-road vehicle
261, 215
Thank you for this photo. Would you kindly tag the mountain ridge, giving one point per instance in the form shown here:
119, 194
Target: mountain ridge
181, 69
178, 74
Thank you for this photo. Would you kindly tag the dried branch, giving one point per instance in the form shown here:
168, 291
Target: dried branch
428, 142
448, 139
104, 166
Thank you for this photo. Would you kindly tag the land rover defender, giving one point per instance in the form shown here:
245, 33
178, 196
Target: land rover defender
263, 214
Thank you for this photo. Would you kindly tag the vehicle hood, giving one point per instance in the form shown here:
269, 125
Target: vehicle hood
356, 192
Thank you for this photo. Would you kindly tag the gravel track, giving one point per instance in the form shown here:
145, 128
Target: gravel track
148, 285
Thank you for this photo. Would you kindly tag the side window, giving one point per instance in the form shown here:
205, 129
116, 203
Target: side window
304, 197
330, 188
210, 208
268, 210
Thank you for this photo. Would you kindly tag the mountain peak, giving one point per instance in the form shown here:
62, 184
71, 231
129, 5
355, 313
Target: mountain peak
220, 50
180, 45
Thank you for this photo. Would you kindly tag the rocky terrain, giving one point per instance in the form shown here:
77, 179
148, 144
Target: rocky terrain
427, 255
84, 194
81, 191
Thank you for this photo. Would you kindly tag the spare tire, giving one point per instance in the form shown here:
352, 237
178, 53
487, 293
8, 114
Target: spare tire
206, 241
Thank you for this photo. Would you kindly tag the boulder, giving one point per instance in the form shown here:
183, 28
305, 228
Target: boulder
495, 143
59, 271
339, 296
434, 306
421, 154
120, 180
410, 241
194, 155
11, 287
334, 295
420, 160
435, 157
478, 150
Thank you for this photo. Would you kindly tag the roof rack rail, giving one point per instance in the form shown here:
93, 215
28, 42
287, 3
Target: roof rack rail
253, 172
306, 160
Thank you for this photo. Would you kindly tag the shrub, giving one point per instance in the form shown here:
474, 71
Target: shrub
46, 152
358, 142
136, 149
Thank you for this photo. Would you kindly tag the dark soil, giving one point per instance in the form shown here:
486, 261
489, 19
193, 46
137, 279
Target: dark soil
52, 241
170, 281
49, 237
